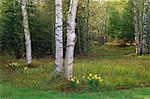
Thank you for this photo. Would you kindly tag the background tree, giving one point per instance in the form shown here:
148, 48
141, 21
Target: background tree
26, 32
41, 16
11, 28
127, 26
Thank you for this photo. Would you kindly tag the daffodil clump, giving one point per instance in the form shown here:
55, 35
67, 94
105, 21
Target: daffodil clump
94, 81
12, 65
73, 82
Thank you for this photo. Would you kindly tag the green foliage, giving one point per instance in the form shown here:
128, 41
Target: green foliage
73, 82
12, 36
94, 82
42, 25
114, 22
127, 26
11, 26
12, 65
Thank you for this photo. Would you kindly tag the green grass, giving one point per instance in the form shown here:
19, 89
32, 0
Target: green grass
119, 68
11, 92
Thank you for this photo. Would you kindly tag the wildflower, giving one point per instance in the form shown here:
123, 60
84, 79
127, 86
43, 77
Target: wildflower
77, 82
95, 76
25, 68
72, 79
88, 77
99, 77
83, 77
15, 64
90, 74
101, 80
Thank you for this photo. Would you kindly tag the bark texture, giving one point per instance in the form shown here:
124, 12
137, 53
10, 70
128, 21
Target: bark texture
104, 12
26, 32
144, 24
71, 38
59, 36
136, 31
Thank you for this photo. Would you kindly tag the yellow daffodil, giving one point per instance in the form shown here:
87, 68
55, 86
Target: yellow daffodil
25, 68
101, 80
88, 77
72, 79
83, 77
77, 82
15, 64
95, 75
99, 77
90, 74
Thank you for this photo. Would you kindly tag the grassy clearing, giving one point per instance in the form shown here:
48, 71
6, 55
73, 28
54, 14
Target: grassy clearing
11, 92
117, 66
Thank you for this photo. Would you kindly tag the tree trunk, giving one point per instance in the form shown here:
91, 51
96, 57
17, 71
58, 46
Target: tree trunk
144, 23
26, 32
141, 46
136, 32
71, 38
58, 37
104, 11
99, 25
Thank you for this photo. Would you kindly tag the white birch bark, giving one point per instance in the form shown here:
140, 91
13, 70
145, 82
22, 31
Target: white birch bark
71, 38
59, 36
136, 32
140, 26
104, 11
144, 23
26, 32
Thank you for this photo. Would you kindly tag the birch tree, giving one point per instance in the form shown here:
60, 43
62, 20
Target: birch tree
104, 12
58, 36
71, 38
144, 24
26, 32
136, 32
141, 43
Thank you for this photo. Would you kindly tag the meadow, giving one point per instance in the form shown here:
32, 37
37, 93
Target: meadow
124, 75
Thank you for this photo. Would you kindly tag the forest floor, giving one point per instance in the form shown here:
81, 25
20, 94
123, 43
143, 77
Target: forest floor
124, 74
